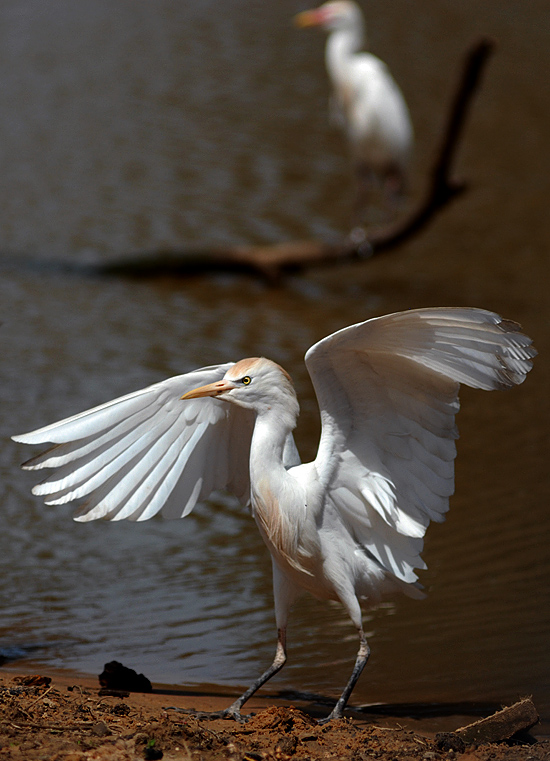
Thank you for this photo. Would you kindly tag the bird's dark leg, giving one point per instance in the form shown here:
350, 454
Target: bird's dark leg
394, 191
379, 200
360, 662
234, 710
364, 199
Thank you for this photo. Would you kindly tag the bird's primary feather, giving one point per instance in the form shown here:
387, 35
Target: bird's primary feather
147, 451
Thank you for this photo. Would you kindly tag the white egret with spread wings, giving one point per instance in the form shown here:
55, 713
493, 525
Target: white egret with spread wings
348, 526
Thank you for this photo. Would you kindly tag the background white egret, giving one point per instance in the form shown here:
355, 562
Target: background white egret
366, 102
347, 526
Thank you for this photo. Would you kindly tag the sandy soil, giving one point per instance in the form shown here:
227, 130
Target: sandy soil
64, 718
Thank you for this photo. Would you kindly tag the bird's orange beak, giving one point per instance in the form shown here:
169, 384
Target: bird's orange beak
308, 18
211, 389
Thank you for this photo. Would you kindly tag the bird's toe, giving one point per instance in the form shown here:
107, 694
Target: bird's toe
234, 714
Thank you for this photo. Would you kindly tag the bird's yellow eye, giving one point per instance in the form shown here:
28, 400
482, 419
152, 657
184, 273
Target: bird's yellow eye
246, 380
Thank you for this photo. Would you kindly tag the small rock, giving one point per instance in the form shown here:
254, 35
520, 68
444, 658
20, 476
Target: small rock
447, 741
287, 745
115, 676
34, 680
101, 729
121, 709
307, 737
152, 753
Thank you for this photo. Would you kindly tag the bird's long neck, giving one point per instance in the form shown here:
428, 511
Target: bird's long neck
342, 45
266, 450
277, 503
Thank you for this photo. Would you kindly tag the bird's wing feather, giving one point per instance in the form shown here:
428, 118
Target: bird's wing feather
388, 394
148, 451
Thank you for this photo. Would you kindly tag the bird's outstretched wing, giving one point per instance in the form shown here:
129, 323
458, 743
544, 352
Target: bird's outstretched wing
388, 394
147, 451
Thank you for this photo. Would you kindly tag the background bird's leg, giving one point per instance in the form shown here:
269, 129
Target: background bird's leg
365, 197
394, 191
377, 201
360, 662
234, 710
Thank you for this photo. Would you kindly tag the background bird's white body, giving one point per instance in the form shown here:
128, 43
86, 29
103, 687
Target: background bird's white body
348, 526
371, 107
366, 101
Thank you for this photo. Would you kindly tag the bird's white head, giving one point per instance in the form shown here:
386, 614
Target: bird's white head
331, 16
255, 383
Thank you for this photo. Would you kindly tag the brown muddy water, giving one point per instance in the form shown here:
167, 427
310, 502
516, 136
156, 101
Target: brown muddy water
136, 126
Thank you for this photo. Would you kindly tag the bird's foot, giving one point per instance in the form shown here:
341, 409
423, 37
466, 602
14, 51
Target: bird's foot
234, 712
326, 720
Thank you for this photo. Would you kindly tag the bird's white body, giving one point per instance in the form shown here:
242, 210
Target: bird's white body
366, 101
348, 526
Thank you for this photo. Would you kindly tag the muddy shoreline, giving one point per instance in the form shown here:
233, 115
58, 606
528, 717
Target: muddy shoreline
67, 717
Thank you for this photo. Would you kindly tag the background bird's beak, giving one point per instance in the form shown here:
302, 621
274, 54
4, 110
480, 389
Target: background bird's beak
307, 18
212, 389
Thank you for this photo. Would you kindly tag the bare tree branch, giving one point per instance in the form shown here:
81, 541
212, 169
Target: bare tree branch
271, 261
443, 188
